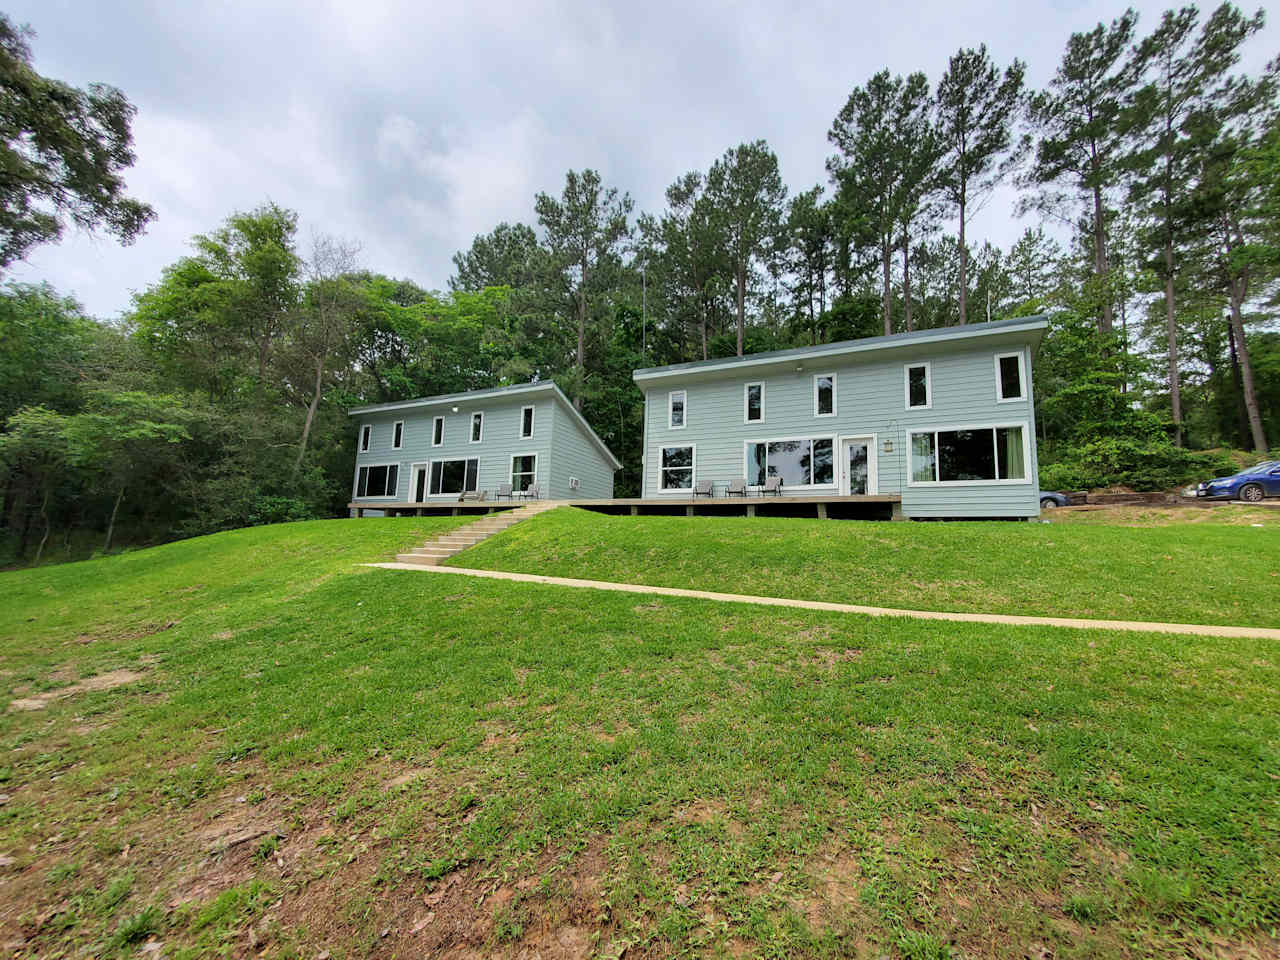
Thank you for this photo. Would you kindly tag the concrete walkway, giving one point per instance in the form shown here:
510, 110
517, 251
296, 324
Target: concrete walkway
1138, 626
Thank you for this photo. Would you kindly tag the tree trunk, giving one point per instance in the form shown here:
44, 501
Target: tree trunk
311, 415
702, 311
44, 515
742, 305
964, 267
886, 290
1171, 329
111, 524
906, 281
1238, 290
1242, 415
1106, 322
582, 337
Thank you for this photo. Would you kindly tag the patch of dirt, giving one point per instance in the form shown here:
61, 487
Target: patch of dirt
829, 656
103, 681
134, 633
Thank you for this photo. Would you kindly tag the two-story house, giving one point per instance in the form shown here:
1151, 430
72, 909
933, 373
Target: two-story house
943, 419
433, 450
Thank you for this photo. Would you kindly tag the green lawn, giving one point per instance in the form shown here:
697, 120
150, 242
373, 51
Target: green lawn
317, 756
1204, 572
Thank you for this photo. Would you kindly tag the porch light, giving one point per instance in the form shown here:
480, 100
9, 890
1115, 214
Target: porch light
455, 409
888, 446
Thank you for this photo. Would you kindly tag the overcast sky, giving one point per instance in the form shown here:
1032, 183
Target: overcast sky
413, 126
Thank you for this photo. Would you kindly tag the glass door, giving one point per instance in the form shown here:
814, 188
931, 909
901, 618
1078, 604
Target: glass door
857, 467
419, 482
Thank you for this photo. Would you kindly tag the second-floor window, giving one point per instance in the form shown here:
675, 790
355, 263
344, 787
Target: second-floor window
397, 435
753, 400
1010, 384
477, 427
365, 432
918, 386
526, 422
675, 409
437, 432
824, 395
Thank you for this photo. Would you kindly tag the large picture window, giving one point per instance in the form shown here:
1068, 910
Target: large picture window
454, 476
677, 468
1010, 383
800, 463
970, 455
524, 471
378, 481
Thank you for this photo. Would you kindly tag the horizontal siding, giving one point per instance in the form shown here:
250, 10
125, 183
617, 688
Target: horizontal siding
870, 399
575, 455
501, 440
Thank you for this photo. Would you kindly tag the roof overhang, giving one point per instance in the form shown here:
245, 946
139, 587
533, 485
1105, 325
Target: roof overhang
499, 393
1024, 330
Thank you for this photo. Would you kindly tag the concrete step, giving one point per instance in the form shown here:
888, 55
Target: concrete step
432, 550
419, 559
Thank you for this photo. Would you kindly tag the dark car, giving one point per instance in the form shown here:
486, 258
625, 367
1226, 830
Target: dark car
1051, 501
1251, 485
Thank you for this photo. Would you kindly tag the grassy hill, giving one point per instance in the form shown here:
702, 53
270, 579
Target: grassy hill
250, 744
1224, 568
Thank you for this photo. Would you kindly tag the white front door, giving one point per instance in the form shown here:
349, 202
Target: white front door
858, 466
418, 489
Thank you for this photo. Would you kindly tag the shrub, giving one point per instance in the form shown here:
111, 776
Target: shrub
278, 510
1128, 462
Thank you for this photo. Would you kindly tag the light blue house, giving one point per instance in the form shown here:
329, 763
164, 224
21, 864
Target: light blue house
940, 423
429, 452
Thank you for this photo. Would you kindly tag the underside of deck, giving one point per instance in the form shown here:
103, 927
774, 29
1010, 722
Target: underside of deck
867, 507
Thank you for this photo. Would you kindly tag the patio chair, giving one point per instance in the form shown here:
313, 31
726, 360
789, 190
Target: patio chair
478, 496
532, 493
772, 485
704, 489
504, 490
736, 488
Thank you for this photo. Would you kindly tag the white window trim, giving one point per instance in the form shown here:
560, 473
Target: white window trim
400, 445
366, 438
671, 397
873, 461
693, 474
454, 495
355, 487
835, 406
746, 401
520, 427
434, 421
1022, 378
835, 462
993, 427
471, 427
512, 470
928, 385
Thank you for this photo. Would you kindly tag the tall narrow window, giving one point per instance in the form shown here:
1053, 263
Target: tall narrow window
919, 395
753, 400
437, 432
677, 468
477, 427
365, 432
675, 409
397, 435
1010, 385
526, 422
824, 395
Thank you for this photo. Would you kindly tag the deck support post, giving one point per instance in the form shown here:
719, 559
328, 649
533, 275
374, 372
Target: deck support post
688, 511
822, 511
456, 511
751, 509
896, 511
419, 513
635, 511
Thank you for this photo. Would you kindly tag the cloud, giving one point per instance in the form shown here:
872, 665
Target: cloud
412, 126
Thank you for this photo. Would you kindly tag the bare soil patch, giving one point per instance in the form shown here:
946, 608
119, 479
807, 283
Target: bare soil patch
103, 681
